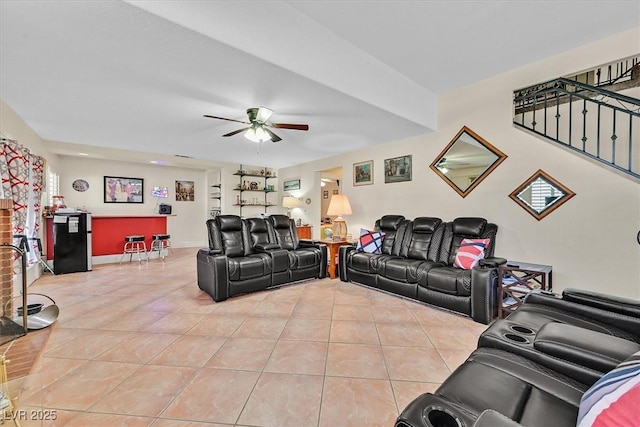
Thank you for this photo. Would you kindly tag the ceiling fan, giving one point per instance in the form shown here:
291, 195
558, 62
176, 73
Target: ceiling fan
258, 129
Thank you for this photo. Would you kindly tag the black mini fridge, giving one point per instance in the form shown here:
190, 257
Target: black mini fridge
71, 242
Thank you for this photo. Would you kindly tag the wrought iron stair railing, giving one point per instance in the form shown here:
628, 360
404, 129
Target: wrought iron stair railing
595, 122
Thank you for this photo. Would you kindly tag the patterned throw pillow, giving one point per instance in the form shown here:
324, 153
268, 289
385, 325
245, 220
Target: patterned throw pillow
370, 241
613, 399
470, 252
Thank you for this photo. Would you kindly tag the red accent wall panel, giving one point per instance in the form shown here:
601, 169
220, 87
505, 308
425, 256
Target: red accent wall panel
108, 232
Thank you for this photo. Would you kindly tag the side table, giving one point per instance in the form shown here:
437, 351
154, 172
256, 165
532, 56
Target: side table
516, 279
332, 249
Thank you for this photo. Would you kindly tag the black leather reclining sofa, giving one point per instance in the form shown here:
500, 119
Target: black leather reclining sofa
417, 262
248, 255
533, 367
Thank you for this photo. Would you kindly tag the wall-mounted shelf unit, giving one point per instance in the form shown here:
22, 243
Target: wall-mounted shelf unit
215, 193
214, 196
253, 188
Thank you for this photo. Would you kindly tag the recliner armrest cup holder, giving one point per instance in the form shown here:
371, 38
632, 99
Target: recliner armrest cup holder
518, 339
438, 416
522, 329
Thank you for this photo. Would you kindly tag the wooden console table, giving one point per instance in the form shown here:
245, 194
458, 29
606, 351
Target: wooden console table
516, 279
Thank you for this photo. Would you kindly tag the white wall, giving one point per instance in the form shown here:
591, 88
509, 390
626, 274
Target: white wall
590, 240
186, 225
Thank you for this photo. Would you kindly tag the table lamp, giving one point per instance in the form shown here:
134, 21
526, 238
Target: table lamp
339, 205
289, 203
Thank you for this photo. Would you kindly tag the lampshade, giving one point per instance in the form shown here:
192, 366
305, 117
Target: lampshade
339, 205
289, 202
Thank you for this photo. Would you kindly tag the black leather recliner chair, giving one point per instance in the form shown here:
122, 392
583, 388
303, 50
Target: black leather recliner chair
417, 262
307, 259
522, 388
472, 292
244, 255
583, 334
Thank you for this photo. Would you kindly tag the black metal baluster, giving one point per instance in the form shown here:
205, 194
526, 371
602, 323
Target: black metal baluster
570, 118
558, 116
598, 135
613, 140
630, 162
584, 124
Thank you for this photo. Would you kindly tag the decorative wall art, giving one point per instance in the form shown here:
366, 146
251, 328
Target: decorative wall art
325, 194
292, 184
118, 189
397, 169
363, 173
185, 191
541, 194
80, 185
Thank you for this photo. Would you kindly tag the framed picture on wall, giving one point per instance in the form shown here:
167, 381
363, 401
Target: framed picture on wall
292, 184
363, 173
185, 191
325, 194
118, 189
397, 169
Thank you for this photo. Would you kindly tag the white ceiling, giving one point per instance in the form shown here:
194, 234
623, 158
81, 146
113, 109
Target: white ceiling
139, 75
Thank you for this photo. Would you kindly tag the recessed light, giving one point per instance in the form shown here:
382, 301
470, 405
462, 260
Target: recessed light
83, 154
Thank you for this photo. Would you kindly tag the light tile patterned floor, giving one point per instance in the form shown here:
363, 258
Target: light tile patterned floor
141, 345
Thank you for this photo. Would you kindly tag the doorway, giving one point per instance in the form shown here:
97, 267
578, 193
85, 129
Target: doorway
330, 181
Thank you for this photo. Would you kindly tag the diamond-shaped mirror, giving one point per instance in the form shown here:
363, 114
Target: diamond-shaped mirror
541, 194
466, 161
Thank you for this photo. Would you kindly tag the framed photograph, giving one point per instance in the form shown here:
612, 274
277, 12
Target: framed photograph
118, 189
185, 191
335, 192
292, 184
325, 194
397, 169
363, 173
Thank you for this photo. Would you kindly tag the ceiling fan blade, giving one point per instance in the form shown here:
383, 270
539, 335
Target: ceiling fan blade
263, 114
290, 126
235, 132
223, 118
274, 137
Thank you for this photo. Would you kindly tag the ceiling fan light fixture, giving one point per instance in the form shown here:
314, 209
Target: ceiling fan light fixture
257, 133
263, 114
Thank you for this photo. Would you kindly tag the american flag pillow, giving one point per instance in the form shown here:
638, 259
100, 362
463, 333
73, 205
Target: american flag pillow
370, 241
470, 252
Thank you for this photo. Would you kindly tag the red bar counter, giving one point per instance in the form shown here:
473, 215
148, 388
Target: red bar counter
108, 231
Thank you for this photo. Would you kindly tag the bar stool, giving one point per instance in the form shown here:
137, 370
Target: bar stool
134, 244
160, 243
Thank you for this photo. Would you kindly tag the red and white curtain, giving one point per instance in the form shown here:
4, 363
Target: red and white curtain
23, 182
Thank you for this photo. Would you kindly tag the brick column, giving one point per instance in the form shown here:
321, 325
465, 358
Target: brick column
6, 257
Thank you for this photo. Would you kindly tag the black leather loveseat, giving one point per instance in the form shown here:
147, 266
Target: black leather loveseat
248, 255
417, 261
554, 351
